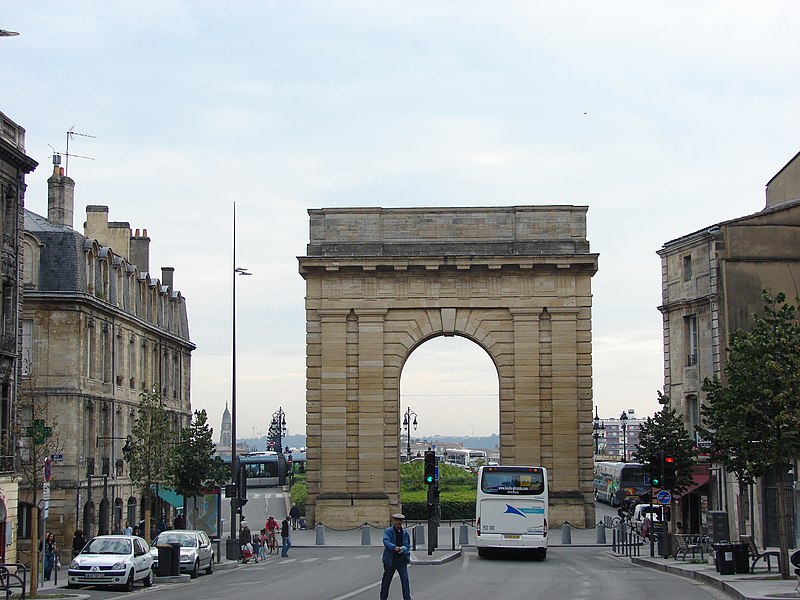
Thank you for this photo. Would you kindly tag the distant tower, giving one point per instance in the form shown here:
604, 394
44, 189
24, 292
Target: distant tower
225, 433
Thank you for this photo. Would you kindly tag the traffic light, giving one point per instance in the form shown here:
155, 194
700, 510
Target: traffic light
655, 469
670, 473
430, 467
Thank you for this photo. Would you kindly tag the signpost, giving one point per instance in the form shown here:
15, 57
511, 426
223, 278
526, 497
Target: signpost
48, 473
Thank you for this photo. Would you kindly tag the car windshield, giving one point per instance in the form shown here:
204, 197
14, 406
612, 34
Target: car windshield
186, 540
108, 546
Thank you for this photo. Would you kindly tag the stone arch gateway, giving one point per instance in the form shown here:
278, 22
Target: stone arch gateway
381, 281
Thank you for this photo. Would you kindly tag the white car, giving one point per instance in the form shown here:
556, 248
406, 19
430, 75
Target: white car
113, 560
196, 550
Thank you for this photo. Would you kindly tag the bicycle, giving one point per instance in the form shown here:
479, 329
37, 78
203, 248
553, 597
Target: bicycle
272, 542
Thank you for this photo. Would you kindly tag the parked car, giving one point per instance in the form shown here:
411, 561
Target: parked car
196, 550
112, 560
655, 513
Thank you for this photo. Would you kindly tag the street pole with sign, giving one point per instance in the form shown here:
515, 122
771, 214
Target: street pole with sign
48, 473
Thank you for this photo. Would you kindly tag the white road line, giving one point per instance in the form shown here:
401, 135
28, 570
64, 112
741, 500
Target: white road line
362, 556
305, 560
336, 558
357, 592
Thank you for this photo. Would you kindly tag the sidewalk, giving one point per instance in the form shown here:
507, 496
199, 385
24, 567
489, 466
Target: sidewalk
761, 585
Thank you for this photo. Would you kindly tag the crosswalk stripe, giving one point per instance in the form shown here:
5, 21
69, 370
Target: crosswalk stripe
305, 560
336, 558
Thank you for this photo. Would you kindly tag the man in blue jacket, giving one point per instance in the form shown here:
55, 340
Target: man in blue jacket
396, 556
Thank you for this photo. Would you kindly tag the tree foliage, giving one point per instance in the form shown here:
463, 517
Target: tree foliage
752, 418
195, 466
148, 453
665, 431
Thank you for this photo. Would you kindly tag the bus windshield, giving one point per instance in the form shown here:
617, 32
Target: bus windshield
632, 475
508, 480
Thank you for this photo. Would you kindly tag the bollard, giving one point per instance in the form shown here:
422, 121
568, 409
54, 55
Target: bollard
320, 534
420, 533
463, 535
566, 533
601, 533
365, 541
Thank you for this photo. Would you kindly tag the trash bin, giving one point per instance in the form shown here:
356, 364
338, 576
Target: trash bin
164, 559
661, 539
741, 558
723, 554
175, 559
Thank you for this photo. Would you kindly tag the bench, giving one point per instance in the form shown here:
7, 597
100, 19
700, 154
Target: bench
687, 543
757, 555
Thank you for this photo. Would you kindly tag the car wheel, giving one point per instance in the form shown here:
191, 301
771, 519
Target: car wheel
148, 581
71, 586
129, 584
210, 567
195, 570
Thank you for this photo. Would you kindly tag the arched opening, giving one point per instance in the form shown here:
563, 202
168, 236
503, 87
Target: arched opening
132, 512
104, 510
118, 504
88, 519
450, 386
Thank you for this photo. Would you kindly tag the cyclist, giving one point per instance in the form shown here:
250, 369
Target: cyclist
272, 527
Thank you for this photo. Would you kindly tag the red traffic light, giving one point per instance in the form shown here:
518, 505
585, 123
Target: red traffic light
669, 459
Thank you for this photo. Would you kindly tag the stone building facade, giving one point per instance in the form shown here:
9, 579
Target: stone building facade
380, 282
14, 166
711, 286
98, 329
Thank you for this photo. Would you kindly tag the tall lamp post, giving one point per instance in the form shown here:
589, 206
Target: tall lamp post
598, 428
623, 420
277, 429
407, 427
234, 459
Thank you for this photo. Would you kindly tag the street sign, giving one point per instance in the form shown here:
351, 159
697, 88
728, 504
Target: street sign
46, 491
664, 497
48, 469
57, 458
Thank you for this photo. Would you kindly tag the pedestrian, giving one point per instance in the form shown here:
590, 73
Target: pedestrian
128, 530
396, 556
245, 538
117, 529
294, 512
263, 541
50, 554
78, 542
272, 528
286, 541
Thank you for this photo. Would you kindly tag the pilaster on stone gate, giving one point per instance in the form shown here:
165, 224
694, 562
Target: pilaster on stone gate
380, 282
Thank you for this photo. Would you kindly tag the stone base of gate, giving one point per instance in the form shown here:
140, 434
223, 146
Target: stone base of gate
345, 511
573, 507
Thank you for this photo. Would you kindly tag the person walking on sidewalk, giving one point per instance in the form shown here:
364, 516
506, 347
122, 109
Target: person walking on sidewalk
286, 541
78, 542
50, 554
396, 556
294, 513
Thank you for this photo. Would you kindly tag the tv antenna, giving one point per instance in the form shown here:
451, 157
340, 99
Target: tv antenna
70, 133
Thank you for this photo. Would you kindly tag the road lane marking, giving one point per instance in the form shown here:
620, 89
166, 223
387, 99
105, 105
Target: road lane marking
336, 558
305, 560
357, 592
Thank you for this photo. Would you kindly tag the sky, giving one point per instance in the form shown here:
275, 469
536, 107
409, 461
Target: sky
662, 118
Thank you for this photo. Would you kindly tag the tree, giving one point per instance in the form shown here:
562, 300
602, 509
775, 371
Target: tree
665, 431
195, 466
752, 418
149, 451
36, 431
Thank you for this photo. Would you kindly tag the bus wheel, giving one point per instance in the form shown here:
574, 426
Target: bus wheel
540, 553
483, 552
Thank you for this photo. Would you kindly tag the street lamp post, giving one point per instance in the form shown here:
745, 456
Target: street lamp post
623, 419
234, 458
598, 428
407, 427
277, 429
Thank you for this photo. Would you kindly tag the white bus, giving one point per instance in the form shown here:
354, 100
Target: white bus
512, 509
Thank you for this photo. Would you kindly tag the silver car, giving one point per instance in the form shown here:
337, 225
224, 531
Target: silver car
196, 550
115, 560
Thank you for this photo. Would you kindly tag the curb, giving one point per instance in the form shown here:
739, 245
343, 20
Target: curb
435, 561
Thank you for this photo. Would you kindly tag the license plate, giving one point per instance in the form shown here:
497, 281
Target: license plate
94, 575
511, 536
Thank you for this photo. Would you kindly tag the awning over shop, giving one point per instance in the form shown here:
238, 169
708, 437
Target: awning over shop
699, 479
171, 496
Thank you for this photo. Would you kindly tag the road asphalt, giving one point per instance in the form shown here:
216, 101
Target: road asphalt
761, 585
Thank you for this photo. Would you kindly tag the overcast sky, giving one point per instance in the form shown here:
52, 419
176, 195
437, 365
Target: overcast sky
662, 118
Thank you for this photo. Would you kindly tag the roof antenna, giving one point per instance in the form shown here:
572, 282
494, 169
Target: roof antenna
71, 133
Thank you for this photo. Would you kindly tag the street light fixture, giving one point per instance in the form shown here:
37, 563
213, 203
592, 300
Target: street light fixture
623, 419
234, 458
598, 429
277, 429
407, 427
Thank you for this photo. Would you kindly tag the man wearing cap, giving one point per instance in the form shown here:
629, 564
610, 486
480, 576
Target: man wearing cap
396, 556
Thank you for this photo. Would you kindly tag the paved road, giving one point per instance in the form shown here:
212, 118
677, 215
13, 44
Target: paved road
261, 502
336, 573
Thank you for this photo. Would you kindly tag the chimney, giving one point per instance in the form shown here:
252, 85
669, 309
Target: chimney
166, 276
60, 196
140, 251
